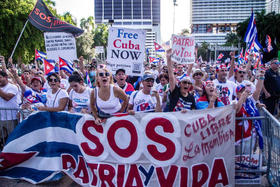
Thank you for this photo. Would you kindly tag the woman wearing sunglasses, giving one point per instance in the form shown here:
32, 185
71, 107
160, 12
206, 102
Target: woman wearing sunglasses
209, 98
181, 99
105, 99
57, 98
198, 82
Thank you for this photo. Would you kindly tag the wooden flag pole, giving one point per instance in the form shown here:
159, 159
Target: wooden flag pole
19, 39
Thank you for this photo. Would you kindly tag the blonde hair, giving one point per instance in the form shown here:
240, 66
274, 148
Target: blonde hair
97, 76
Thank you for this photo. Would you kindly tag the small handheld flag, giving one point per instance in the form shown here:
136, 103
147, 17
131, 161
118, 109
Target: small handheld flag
65, 65
158, 47
39, 55
88, 80
48, 66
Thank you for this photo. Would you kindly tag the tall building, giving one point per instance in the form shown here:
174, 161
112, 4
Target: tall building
273, 6
135, 14
211, 20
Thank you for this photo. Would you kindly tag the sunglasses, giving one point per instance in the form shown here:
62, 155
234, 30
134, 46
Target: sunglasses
196, 74
104, 74
242, 72
186, 82
277, 63
150, 80
52, 80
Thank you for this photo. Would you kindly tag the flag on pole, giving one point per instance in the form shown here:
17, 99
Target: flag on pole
49, 66
220, 57
158, 47
88, 80
251, 32
39, 55
268, 44
41, 18
65, 65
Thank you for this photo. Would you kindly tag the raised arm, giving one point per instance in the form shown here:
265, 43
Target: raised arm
232, 64
81, 64
259, 86
172, 80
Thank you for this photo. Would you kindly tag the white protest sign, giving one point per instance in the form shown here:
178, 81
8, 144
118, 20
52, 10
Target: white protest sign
126, 50
60, 44
99, 49
183, 49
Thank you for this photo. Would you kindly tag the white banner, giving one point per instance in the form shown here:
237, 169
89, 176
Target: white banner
126, 50
183, 49
147, 149
60, 44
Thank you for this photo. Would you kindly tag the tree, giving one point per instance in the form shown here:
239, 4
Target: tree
203, 51
185, 32
13, 15
267, 24
100, 35
232, 40
85, 42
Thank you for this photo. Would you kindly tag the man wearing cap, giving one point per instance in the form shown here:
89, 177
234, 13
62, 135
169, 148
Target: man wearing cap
121, 82
180, 97
145, 99
272, 86
225, 88
35, 95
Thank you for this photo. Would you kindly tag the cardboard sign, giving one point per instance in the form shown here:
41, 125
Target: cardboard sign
126, 50
183, 49
60, 44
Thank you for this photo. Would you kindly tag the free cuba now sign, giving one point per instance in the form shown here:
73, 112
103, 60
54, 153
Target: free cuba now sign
126, 50
151, 149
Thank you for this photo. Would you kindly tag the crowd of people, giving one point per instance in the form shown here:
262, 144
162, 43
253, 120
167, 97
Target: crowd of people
163, 87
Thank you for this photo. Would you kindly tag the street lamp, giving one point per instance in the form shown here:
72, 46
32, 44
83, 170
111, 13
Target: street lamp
175, 4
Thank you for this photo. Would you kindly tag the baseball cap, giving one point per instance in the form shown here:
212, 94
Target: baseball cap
148, 75
186, 78
120, 70
36, 78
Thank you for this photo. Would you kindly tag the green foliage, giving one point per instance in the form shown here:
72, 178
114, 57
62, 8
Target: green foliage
13, 15
100, 35
232, 40
203, 51
266, 24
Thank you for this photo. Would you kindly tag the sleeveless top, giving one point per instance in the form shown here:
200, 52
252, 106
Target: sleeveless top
112, 105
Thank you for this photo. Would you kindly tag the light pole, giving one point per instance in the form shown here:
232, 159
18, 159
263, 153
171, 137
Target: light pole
175, 4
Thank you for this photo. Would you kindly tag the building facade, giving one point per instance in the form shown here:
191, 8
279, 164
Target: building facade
273, 6
211, 20
135, 14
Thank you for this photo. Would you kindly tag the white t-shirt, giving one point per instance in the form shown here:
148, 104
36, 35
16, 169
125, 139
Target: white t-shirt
53, 99
64, 84
227, 91
12, 103
80, 100
142, 102
159, 89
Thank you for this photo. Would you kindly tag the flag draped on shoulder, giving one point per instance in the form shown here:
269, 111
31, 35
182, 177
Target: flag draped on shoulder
65, 65
41, 18
39, 55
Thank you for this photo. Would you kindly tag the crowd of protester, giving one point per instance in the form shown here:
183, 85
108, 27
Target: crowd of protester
163, 87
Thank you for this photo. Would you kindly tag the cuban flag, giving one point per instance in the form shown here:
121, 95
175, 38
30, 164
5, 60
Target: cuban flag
49, 66
257, 45
158, 47
39, 55
251, 32
268, 44
220, 57
65, 65
88, 80
33, 150
153, 60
